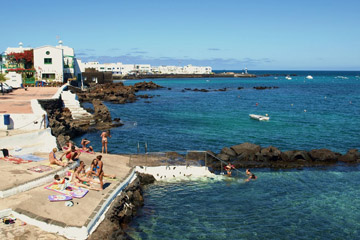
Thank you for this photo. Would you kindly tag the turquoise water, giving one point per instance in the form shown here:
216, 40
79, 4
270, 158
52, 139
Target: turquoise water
309, 204
304, 114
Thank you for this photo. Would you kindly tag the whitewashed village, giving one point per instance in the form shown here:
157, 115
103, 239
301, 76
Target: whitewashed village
59, 64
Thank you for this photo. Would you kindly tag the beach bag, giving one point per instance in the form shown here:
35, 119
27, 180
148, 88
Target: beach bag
5, 152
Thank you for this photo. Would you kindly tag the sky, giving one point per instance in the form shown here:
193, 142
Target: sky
226, 35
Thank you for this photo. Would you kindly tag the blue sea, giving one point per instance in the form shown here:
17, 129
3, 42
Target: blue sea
304, 114
315, 203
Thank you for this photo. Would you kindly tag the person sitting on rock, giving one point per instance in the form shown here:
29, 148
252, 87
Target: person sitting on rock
54, 160
85, 142
71, 154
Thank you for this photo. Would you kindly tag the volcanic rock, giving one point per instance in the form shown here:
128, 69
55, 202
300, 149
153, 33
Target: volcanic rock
246, 148
323, 155
269, 154
351, 156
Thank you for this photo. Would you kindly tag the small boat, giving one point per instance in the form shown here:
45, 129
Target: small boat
309, 77
288, 77
259, 117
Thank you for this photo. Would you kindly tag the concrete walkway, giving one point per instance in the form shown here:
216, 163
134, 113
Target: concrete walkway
18, 101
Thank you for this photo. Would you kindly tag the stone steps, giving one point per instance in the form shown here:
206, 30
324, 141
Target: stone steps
71, 102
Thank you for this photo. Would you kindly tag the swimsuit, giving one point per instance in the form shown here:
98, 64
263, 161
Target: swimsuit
95, 168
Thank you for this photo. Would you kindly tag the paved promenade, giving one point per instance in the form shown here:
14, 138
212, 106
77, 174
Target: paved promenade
18, 101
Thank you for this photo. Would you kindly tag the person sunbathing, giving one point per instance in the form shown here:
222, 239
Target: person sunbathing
58, 180
93, 168
71, 154
62, 183
54, 160
83, 182
84, 143
68, 146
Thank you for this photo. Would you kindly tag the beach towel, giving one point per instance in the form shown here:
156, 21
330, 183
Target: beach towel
49, 164
79, 149
57, 198
109, 179
71, 190
15, 160
31, 157
40, 168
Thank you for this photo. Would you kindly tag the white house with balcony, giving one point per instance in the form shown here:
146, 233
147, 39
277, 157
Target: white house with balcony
50, 63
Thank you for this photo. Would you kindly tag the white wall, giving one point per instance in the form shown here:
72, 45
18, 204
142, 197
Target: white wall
14, 79
28, 143
26, 122
56, 67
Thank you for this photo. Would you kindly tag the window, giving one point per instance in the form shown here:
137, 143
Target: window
48, 76
47, 52
47, 60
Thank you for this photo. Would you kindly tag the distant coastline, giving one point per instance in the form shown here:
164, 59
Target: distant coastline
154, 76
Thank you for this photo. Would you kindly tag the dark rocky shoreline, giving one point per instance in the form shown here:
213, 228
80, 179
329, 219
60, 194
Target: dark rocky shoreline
123, 209
64, 127
249, 155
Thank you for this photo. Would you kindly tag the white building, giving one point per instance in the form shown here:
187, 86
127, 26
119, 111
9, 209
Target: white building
128, 69
116, 68
189, 69
50, 63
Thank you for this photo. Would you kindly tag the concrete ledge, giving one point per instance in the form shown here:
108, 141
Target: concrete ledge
62, 228
34, 183
165, 173
101, 213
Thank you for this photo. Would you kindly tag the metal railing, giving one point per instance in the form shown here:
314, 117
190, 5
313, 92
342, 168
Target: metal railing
179, 158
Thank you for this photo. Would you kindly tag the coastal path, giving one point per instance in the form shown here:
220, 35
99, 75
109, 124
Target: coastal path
19, 101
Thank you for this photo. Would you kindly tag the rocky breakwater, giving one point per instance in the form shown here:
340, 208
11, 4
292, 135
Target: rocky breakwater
248, 155
123, 210
116, 92
64, 127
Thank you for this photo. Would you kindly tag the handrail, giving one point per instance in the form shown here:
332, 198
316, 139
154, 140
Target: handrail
222, 161
146, 153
